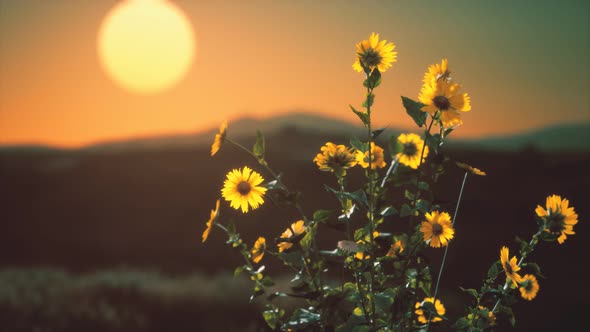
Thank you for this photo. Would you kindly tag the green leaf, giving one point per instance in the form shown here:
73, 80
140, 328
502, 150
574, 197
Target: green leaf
376, 133
423, 185
493, 271
322, 215
374, 80
409, 195
362, 115
369, 101
238, 271
358, 145
259, 146
406, 211
414, 110
388, 211
307, 240
470, 291
267, 281
462, 323
433, 141
302, 318
358, 196
423, 206
508, 311
272, 315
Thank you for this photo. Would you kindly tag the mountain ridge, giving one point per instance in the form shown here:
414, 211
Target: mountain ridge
561, 137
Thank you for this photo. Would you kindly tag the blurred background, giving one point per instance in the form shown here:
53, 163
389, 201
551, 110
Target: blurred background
108, 110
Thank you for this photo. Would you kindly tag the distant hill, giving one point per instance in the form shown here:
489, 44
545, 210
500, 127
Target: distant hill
568, 137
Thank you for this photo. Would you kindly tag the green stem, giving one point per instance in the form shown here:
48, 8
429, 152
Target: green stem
442, 265
274, 175
370, 98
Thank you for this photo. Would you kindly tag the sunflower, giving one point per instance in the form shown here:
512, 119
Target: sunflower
510, 267
212, 218
373, 53
335, 158
377, 159
396, 249
258, 249
294, 231
412, 146
219, 138
445, 97
529, 287
437, 229
559, 218
241, 188
440, 310
438, 72
470, 169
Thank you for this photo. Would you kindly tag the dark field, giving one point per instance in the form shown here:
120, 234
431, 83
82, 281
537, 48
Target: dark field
111, 241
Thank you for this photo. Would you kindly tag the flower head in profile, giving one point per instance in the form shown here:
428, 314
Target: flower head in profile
445, 97
424, 314
396, 249
438, 72
471, 169
219, 138
437, 229
335, 158
559, 218
258, 249
529, 287
411, 149
377, 159
241, 188
373, 53
510, 266
290, 234
212, 219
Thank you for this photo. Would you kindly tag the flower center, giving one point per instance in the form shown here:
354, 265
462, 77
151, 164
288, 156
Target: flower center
527, 285
410, 149
442, 103
244, 188
337, 161
508, 268
371, 58
556, 223
437, 229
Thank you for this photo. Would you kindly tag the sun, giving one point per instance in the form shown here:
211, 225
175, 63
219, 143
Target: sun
146, 46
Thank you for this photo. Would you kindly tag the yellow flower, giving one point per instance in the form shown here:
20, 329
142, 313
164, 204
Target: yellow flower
471, 169
361, 256
258, 249
373, 53
297, 228
241, 188
510, 267
529, 287
219, 138
335, 158
559, 217
438, 72
440, 310
213, 217
437, 229
396, 249
377, 159
412, 146
445, 97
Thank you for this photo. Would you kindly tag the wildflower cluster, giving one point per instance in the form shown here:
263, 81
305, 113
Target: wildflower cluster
389, 286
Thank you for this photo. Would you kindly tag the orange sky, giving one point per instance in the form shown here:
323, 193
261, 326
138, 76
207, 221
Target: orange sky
524, 66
